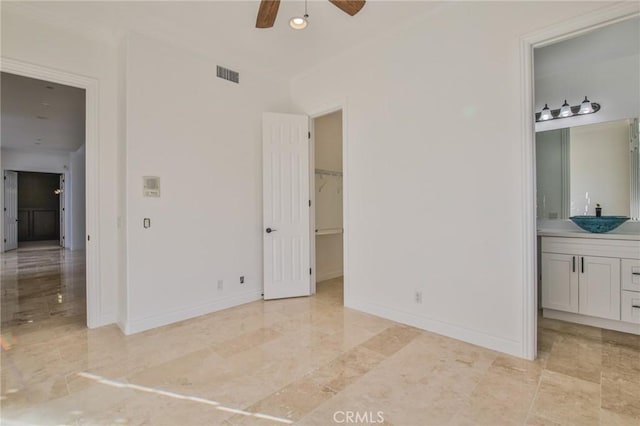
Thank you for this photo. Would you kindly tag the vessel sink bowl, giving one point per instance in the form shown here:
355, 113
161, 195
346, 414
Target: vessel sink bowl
599, 224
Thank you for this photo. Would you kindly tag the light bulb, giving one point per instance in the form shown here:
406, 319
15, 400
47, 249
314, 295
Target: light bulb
298, 23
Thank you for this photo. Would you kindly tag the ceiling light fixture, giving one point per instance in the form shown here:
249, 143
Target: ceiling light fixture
566, 111
300, 23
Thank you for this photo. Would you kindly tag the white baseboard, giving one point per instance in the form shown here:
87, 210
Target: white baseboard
625, 327
328, 275
511, 347
143, 324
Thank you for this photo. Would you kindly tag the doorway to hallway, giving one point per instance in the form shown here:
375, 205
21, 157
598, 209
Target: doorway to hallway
44, 281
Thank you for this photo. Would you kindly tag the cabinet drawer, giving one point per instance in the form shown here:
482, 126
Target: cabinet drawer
630, 304
630, 274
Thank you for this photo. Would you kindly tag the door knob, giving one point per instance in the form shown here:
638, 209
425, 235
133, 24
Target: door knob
269, 230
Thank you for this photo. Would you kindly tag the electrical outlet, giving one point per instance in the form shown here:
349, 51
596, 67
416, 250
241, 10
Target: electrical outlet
418, 297
242, 279
220, 284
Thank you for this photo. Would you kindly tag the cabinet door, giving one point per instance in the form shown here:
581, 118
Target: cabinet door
600, 287
560, 282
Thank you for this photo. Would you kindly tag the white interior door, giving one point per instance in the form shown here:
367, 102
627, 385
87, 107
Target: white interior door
285, 155
10, 210
61, 198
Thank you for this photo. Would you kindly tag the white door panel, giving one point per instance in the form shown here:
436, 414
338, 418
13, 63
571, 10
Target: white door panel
286, 205
10, 210
61, 197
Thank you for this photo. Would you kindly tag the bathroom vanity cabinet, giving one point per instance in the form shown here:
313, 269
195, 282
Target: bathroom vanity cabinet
592, 279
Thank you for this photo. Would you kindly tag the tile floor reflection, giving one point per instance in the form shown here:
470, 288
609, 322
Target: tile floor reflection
305, 361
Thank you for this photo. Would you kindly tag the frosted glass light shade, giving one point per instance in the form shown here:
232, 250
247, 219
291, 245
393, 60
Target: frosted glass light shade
565, 110
586, 107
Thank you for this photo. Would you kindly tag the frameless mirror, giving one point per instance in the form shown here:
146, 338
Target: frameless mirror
580, 167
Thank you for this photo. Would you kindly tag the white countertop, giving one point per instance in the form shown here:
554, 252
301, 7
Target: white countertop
566, 228
585, 234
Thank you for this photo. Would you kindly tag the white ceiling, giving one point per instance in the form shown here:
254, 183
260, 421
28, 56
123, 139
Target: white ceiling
40, 115
225, 30
222, 30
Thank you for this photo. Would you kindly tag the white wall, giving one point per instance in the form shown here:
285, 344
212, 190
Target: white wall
32, 40
35, 160
328, 141
328, 156
78, 199
433, 159
599, 164
202, 136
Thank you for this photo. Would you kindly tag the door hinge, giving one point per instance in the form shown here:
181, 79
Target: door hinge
309, 203
309, 135
5, 240
310, 271
88, 237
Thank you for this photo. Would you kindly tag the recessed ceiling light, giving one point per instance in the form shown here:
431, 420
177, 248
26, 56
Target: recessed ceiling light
38, 143
41, 117
298, 23
49, 87
45, 104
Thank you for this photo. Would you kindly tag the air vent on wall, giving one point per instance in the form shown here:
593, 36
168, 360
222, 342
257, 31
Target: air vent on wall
228, 74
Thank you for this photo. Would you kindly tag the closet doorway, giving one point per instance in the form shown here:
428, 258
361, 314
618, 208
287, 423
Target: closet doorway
328, 201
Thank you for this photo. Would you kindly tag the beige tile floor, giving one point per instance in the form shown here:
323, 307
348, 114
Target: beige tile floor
307, 361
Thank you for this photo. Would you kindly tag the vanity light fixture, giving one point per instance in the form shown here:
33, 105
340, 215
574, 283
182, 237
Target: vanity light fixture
300, 22
566, 111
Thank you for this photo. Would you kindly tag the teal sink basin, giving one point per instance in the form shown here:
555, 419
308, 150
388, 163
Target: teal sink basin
599, 224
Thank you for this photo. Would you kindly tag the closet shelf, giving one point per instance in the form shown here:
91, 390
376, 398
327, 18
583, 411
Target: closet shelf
328, 172
329, 231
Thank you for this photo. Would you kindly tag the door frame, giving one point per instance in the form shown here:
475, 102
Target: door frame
92, 159
333, 107
568, 29
5, 212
